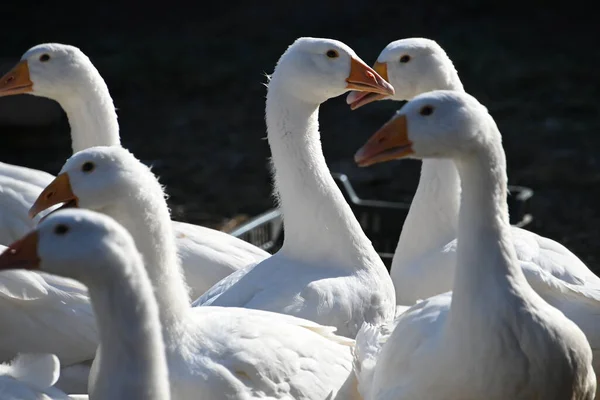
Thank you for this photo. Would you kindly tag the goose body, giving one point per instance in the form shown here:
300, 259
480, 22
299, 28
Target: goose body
69, 77
217, 352
31, 377
31, 176
327, 270
16, 196
494, 337
425, 260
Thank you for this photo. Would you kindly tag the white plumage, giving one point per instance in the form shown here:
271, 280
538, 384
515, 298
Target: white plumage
327, 270
70, 78
425, 259
494, 337
215, 351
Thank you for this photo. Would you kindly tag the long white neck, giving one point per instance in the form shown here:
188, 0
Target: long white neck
146, 216
433, 216
487, 270
319, 224
91, 113
132, 354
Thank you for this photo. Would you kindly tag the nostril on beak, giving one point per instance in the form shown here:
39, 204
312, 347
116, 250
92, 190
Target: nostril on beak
10, 79
49, 195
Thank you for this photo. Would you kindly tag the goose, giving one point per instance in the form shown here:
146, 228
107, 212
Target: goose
425, 259
31, 303
65, 74
94, 249
213, 352
327, 270
419, 270
31, 377
494, 337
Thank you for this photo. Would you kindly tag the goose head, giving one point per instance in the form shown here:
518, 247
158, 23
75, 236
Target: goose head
95, 178
68, 240
437, 124
413, 66
314, 70
50, 70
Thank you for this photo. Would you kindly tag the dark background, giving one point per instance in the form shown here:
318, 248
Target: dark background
187, 83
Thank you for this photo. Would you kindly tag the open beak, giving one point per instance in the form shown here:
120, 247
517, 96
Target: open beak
358, 99
16, 81
58, 191
364, 79
388, 143
22, 254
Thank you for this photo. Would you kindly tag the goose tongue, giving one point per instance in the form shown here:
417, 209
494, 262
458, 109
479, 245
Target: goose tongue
358, 99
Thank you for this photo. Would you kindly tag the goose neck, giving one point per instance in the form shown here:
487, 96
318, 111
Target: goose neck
129, 328
432, 219
487, 270
146, 216
433, 215
319, 224
91, 114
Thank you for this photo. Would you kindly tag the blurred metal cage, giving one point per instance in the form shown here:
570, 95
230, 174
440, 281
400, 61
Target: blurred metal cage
380, 220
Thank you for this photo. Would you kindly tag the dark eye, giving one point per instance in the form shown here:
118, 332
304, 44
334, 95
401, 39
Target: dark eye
61, 229
88, 166
426, 110
44, 57
332, 54
405, 58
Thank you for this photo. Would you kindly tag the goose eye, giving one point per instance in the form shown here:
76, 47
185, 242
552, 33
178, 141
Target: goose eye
61, 229
44, 57
332, 54
88, 166
426, 110
405, 58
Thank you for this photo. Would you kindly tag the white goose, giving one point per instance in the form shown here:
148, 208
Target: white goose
327, 270
494, 337
31, 377
420, 268
213, 352
64, 74
425, 259
31, 303
95, 250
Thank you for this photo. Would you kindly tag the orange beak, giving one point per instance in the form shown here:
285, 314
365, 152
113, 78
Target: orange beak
381, 69
22, 254
16, 81
364, 79
58, 191
359, 99
388, 143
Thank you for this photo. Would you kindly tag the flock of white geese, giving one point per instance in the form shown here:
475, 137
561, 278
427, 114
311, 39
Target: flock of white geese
97, 281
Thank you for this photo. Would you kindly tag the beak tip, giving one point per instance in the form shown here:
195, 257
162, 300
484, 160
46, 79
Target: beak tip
390, 89
32, 212
359, 157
